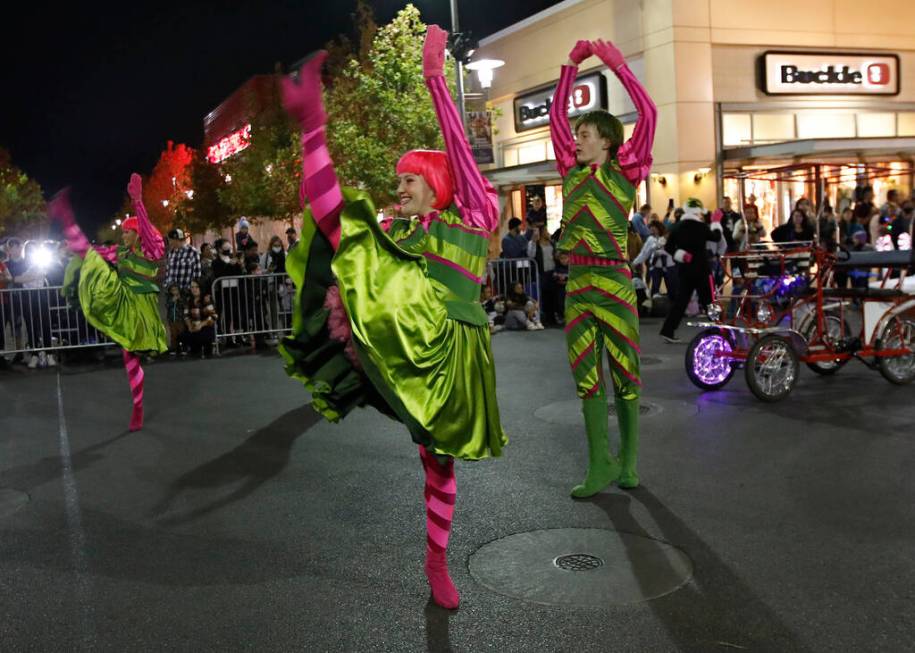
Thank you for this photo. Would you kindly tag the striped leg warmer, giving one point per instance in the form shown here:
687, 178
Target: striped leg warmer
440, 492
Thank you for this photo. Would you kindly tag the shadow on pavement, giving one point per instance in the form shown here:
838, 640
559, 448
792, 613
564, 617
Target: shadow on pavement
258, 459
50, 468
438, 636
715, 609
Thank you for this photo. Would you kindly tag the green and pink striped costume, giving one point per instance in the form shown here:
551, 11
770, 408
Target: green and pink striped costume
600, 299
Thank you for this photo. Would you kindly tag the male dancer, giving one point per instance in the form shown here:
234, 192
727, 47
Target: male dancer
600, 174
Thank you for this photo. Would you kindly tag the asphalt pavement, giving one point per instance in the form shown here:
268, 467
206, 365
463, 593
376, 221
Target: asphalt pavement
237, 520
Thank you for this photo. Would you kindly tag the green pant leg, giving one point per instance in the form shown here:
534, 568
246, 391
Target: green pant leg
626, 400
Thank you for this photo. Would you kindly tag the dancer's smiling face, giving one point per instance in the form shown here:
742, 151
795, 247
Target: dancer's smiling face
130, 237
416, 196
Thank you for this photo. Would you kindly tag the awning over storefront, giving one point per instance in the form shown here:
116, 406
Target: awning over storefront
821, 149
528, 173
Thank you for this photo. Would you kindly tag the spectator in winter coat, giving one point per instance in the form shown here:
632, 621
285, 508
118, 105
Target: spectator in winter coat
687, 244
660, 263
798, 228
749, 231
243, 239
514, 245
274, 260
640, 221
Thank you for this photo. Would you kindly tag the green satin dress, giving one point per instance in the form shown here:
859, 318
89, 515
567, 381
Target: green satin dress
421, 336
122, 301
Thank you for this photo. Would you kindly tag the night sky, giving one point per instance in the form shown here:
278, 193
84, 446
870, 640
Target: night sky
92, 94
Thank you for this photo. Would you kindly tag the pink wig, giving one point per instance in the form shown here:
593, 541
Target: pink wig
431, 165
130, 224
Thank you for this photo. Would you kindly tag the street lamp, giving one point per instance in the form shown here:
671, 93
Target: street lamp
484, 68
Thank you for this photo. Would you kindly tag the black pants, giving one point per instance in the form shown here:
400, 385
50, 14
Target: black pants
196, 341
691, 277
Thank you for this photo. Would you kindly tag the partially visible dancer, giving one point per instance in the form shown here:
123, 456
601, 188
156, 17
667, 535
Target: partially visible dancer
600, 174
117, 286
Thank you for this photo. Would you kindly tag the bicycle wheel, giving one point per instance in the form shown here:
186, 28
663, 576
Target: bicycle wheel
708, 364
897, 334
772, 368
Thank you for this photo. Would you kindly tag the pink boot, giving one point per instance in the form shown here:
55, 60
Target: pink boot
440, 492
135, 377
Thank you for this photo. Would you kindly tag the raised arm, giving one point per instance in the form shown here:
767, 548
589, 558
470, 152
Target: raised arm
320, 187
150, 238
635, 154
560, 133
474, 195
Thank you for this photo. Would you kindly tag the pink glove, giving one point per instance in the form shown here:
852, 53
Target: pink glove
302, 98
135, 188
608, 53
434, 51
59, 209
687, 257
581, 51
716, 216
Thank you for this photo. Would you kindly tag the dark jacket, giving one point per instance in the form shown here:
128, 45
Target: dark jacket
691, 234
785, 233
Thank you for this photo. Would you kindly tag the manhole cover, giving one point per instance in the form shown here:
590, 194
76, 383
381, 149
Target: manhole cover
11, 501
578, 562
587, 567
568, 412
650, 360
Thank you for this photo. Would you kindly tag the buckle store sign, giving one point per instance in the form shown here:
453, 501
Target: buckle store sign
829, 73
533, 109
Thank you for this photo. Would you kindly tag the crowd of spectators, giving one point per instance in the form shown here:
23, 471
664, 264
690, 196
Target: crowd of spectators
654, 245
194, 304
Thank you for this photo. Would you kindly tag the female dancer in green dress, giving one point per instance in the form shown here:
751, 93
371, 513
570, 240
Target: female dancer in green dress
403, 328
117, 287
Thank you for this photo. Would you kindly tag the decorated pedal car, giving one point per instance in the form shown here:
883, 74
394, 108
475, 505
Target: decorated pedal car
783, 312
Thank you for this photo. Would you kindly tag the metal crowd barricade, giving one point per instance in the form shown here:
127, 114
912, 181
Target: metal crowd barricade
42, 319
502, 273
252, 305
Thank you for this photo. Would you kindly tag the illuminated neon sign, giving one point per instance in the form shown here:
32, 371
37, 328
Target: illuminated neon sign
229, 145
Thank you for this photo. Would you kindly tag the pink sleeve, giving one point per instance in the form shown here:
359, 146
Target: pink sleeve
107, 252
474, 195
635, 154
320, 185
560, 133
150, 238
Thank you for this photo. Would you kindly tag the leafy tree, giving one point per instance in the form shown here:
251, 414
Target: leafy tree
204, 209
263, 180
22, 205
167, 187
379, 107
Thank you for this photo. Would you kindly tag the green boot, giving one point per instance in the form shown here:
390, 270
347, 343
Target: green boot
627, 414
603, 467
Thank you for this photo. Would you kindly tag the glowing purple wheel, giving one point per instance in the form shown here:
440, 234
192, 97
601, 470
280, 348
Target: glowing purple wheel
708, 359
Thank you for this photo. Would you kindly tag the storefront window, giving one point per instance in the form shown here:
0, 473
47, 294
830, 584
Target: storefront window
510, 157
825, 124
906, 123
773, 127
532, 152
876, 124
553, 198
736, 129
